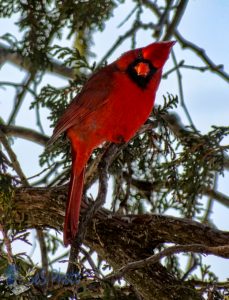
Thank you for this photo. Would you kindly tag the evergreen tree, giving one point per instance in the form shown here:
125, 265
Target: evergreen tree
170, 168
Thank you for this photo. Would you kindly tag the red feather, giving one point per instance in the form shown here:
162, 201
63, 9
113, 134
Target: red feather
111, 107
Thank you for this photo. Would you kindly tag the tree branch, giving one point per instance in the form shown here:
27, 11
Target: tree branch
222, 251
46, 207
215, 68
180, 131
107, 158
176, 19
25, 133
148, 187
17, 59
20, 96
13, 158
132, 236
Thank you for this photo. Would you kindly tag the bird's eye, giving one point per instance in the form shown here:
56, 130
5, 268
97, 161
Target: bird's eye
142, 69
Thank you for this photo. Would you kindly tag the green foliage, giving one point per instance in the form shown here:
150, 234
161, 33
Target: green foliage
56, 100
170, 102
6, 194
167, 166
71, 58
172, 264
178, 168
43, 22
7, 8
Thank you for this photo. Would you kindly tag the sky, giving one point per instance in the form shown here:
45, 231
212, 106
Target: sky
205, 23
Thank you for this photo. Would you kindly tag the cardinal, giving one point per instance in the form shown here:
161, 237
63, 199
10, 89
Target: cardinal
112, 105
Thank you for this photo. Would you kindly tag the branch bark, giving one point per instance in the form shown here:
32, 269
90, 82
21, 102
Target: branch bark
24, 133
17, 59
122, 239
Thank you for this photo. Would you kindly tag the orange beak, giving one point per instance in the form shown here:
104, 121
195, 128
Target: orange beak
142, 69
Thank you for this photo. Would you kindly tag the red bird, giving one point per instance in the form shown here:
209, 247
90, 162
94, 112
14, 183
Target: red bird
111, 107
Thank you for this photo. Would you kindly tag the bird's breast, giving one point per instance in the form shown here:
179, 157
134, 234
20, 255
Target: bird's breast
127, 109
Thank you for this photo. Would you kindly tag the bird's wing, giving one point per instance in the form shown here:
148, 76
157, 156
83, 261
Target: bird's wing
94, 94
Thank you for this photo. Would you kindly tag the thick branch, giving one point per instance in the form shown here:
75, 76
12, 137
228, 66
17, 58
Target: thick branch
46, 207
122, 239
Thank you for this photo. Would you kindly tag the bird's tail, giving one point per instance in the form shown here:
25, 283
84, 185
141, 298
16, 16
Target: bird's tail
73, 203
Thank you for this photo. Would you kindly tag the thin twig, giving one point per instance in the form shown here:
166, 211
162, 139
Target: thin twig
91, 262
13, 158
20, 97
176, 19
24, 181
136, 26
108, 157
7, 243
128, 16
148, 187
218, 285
43, 250
4, 160
16, 86
163, 19
192, 265
181, 93
218, 196
215, 68
210, 202
222, 251
16, 58
25, 133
